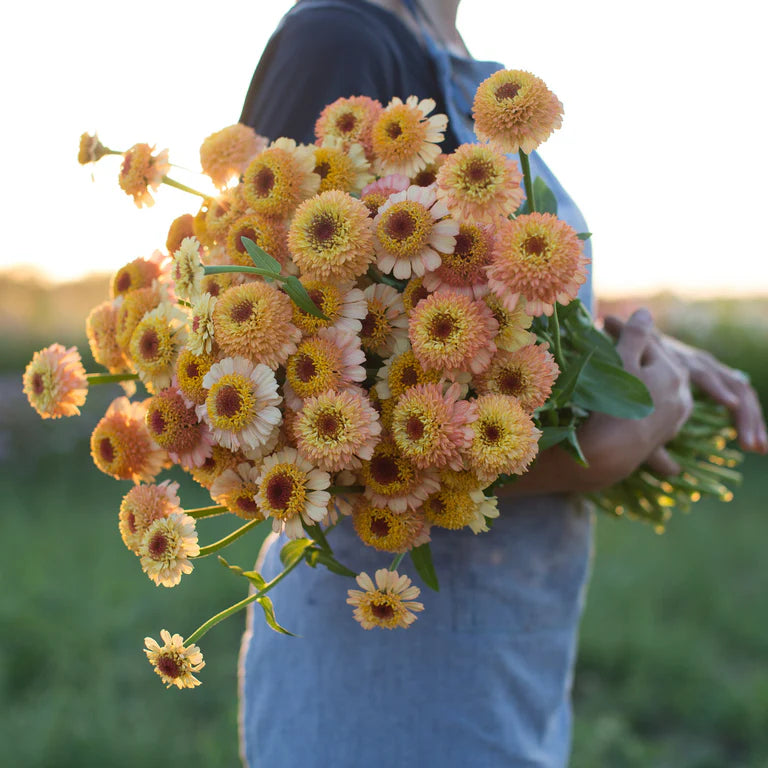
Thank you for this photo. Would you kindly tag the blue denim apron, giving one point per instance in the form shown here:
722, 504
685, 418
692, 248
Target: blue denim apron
483, 678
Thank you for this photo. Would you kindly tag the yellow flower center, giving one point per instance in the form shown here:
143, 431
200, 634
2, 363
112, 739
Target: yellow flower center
404, 228
449, 509
283, 492
405, 372
231, 402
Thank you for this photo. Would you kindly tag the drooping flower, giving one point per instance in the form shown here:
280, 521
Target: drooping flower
101, 330
190, 372
451, 333
292, 490
216, 215
342, 166
330, 237
539, 257
236, 489
141, 506
181, 227
392, 480
402, 371
121, 445
187, 271
280, 177
411, 230
241, 406
268, 233
343, 306
142, 173
452, 509
385, 322
375, 194
167, 545
404, 139
174, 662
505, 440
464, 269
428, 174
479, 184
227, 153
200, 338
253, 320
139, 273
384, 529
55, 382
387, 604
331, 360
431, 428
513, 325
351, 120
156, 343
91, 150
336, 429
527, 373
515, 110
174, 426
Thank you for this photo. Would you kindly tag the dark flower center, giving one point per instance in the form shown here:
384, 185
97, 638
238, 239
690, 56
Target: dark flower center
400, 225
382, 610
149, 344
323, 169
248, 232
491, 433
192, 370
414, 428
409, 376
37, 383
323, 228
228, 401
535, 246
169, 666
106, 450
346, 122
123, 282
479, 172
507, 91
424, 178
156, 422
442, 327
379, 527
264, 181
130, 521
328, 425
384, 470
279, 491
158, 546
510, 382
242, 312
394, 130
247, 504
305, 368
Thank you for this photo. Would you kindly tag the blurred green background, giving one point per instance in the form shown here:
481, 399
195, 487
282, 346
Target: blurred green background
672, 669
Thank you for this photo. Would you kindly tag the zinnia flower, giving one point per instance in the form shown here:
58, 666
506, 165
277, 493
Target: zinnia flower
227, 153
413, 293
336, 429
527, 374
241, 406
505, 440
453, 509
404, 139
478, 184
342, 166
539, 257
139, 273
330, 237
388, 531
141, 171
101, 329
220, 460
167, 545
91, 150
351, 120
173, 662
385, 322
401, 372
375, 194
236, 489
344, 307
292, 490
428, 174
388, 603
131, 309
411, 231
190, 372
55, 382
200, 339
187, 271
141, 506
269, 234
515, 110
181, 227
155, 345
513, 324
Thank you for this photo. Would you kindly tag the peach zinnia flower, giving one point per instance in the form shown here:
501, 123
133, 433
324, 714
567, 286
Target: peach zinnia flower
453, 510
292, 490
269, 234
91, 150
343, 306
388, 531
387, 604
131, 308
479, 184
413, 293
173, 425
101, 329
190, 372
527, 374
330, 237
385, 322
401, 372
411, 231
336, 429
236, 489
220, 460
241, 406
404, 139
539, 257
181, 227
451, 333
280, 177
514, 110
141, 506
141, 171
392, 480
463, 270
226, 153
375, 194
139, 273
155, 345
505, 441
513, 324
253, 320
121, 445
431, 428
342, 166
55, 382
351, 120
173, 661
428, 174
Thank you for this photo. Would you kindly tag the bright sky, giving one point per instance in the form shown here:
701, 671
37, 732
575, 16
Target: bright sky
663, 143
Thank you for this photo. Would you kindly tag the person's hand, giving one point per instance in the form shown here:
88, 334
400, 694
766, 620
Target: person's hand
727, 386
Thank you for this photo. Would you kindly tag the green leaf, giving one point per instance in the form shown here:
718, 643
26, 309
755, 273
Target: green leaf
546, 202
293, 551
269, 616
610, 389
574, 448
552, 436
422, 560
566, 382
586, 338
253, 576
584, 235
323, 557
260, 257
300, 297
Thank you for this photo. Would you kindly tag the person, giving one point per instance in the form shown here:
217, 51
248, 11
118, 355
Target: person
483, 678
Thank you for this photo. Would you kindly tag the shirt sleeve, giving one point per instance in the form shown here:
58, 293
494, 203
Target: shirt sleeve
315, 57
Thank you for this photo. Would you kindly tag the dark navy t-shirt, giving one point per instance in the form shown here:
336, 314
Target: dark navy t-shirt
327, 49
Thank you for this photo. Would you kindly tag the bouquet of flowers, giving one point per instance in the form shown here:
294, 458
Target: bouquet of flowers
359, 332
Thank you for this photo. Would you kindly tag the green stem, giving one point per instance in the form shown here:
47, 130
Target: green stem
556, 348
222, 268
183, 187
109, 378
227, 540
205, 512
528, 180
227, 612
397, 560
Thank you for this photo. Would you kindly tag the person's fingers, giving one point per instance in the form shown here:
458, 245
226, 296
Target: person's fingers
714, 385
612, 326
660, 461
749, 421
634, 337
